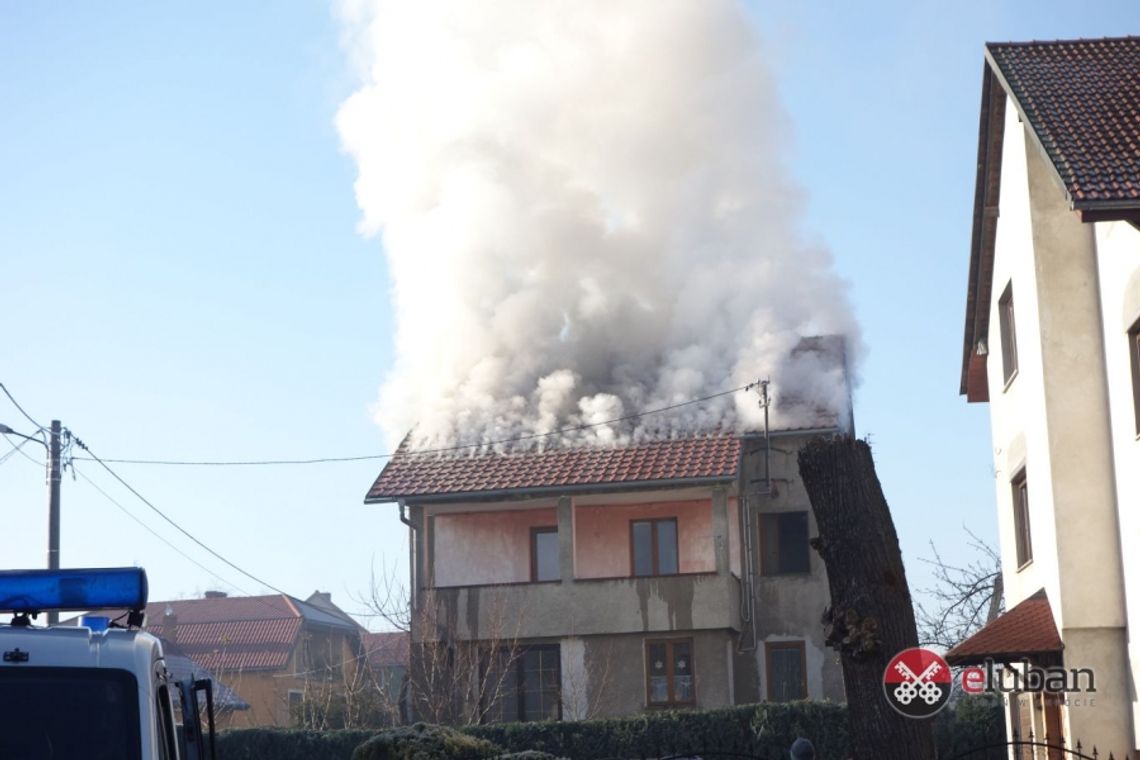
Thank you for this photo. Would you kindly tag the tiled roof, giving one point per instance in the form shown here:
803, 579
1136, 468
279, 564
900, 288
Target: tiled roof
1024, 631
182, 667
232, 633
707, 457
1082, 99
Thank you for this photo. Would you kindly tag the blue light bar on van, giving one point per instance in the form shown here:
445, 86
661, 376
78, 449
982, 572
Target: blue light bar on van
104, 588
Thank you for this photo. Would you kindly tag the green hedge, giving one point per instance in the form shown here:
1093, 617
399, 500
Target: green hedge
764, 730
425, 742
289, 744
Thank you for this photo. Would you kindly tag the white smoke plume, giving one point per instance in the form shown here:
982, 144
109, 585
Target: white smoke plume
586, 214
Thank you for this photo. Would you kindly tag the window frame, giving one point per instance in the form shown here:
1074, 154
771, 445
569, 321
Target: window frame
769, 648
1007, 326
669, 674
1134, 360
655, 563
534, 533
1022, 527
516, 677
777, 516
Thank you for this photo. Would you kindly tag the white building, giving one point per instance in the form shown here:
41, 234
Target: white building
1052, 342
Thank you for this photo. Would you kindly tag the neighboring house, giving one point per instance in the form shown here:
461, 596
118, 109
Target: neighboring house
605, 580
388, 654
1052, 342
182, 668
273, 651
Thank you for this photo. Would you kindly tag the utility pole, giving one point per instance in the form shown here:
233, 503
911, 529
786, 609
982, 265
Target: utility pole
53, 505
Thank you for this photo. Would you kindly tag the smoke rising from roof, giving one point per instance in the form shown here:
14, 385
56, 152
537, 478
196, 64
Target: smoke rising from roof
586, 214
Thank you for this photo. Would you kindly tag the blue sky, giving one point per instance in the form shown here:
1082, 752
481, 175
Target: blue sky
182, 276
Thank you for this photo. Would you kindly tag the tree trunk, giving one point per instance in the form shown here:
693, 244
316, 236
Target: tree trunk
871, 618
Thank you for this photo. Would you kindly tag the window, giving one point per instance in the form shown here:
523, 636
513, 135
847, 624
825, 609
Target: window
787, 671
653, 546
524, 685
1008, 334
784, 543
164, 725
1134, 355
1021, 519
669, 672
544, 561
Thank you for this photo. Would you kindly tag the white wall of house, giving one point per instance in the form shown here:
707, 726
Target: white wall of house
1017, 410
1118, 260
1052, 418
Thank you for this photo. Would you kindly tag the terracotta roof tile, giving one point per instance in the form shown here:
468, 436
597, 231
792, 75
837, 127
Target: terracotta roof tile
1082, 98
407, 474
1024, 631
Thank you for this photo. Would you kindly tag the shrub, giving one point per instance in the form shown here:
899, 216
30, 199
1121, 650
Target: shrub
424, 742
763, 730
970, 723
282, 744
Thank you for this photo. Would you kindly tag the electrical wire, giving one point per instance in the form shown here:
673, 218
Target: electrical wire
15, 449
156, 534
16, 404
164, 516
438, 450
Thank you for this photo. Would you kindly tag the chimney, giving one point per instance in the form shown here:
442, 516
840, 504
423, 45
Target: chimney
216, 594
170, 625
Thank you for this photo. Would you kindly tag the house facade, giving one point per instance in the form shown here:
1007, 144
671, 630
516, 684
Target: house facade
605, 581
1052, 344
273, 652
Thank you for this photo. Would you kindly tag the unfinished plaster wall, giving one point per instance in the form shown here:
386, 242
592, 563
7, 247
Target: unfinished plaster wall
485, 547
620, 662
788, 607
602, 536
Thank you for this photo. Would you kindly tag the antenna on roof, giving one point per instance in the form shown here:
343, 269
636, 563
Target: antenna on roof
765, 402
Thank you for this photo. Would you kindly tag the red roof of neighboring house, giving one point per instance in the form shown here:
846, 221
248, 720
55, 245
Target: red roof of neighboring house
1027, 630
235, 633
407, 474
388, 648
1082, 99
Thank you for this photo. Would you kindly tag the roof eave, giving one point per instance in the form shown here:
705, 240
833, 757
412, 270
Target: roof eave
987, 193
525, 493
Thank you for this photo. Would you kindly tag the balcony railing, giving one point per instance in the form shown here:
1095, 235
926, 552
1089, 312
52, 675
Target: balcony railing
585, 606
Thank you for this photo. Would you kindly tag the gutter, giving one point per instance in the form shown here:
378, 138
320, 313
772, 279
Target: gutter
522, 493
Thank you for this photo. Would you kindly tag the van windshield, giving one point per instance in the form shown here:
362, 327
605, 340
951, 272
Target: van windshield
49, 713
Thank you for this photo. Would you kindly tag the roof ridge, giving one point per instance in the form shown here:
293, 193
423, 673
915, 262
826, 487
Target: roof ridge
1071, 41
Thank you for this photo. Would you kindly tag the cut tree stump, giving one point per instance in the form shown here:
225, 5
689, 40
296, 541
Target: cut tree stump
871, 618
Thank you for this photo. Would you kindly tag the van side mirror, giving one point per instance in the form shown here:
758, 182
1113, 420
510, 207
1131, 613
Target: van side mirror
195, 744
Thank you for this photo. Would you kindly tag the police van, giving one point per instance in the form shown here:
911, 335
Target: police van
99, 690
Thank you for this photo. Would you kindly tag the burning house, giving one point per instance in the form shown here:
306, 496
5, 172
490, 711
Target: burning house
594, 580
587, 218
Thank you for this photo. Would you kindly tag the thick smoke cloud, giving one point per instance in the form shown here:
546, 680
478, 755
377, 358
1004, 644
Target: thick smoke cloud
586, 214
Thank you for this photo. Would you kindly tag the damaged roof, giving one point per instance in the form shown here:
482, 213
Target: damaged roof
707, 458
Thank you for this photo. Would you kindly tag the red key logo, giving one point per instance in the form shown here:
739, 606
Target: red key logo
917, 682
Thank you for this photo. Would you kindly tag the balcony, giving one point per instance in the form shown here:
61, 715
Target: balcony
582, 567
663, 603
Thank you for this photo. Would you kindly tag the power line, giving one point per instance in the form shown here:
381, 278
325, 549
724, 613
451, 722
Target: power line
163, 515
155, 533
16, 404
421, 452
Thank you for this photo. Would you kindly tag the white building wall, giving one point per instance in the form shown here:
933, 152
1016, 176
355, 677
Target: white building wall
1017, 410
1118, 262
